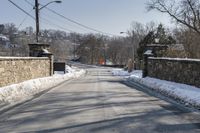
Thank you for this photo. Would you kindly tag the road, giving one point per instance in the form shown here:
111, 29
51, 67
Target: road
98, 103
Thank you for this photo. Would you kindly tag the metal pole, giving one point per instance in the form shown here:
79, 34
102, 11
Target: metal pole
37, 20
133, 50
74, 50
133, 53
105, 56
74, 38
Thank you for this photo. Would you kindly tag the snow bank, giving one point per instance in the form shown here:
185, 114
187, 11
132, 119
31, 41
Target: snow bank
183, 93
121, 72
174, 59
26, 90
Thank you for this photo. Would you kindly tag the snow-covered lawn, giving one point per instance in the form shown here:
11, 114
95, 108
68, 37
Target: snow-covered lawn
27, 89
182, 92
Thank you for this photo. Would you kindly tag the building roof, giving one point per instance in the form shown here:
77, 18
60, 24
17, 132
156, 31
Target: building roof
3, 38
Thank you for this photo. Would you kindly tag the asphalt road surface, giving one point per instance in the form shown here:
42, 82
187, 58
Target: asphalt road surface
98, 103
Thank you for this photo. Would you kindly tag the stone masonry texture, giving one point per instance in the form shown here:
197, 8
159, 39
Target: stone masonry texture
18, 69
186, 71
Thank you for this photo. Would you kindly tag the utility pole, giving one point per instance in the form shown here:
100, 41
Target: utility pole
37, 20
74, 37
37, 10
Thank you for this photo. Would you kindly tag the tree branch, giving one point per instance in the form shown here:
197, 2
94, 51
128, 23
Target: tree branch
184, 19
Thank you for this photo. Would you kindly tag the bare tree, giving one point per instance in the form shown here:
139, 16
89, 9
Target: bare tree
185, 12
190, 39
119, 50
91, 48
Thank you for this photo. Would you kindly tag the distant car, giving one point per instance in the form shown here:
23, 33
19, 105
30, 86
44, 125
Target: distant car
75, 60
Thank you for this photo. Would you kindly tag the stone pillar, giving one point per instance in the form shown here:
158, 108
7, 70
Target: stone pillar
41, 50
145, 69
51, 58
51, 64
146, 55
35, 49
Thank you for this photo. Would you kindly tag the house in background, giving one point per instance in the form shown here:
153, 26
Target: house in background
5, 46
4, 41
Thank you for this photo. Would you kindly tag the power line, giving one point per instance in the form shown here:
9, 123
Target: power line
68, 23
47, 21
29, 3
28, 14
21, 9
23, 20
84, 26
51, 23
73, 21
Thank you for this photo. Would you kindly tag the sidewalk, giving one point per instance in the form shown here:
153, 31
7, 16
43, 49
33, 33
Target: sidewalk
182, 93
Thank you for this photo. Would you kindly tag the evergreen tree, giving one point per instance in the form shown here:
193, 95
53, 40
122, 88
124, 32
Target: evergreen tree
148, 39
160, 34
163, 37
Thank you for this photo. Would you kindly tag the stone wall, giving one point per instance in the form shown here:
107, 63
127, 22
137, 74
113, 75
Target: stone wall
18, 69
185, 71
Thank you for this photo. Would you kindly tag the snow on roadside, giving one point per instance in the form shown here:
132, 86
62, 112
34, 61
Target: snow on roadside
126, 74
120, 72
182, 92
27, 89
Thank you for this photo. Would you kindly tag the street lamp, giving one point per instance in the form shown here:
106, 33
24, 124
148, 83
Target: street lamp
74, 52
37, 9
56, 1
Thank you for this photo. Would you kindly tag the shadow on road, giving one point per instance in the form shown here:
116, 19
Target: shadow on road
71, 111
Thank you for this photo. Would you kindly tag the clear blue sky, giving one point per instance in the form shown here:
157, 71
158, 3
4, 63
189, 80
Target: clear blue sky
112, 16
